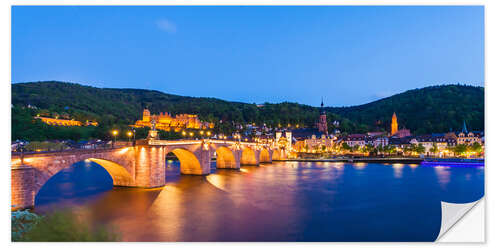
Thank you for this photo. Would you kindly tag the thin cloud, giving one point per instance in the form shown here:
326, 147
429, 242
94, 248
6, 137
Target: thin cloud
166, 25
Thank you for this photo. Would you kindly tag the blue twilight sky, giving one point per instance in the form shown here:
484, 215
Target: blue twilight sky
349, 55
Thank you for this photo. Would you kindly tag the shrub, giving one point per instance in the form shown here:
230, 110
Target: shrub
22, 222
65, 226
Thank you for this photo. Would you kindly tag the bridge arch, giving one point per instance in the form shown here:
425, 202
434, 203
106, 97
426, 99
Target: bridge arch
248, 157
189, 162
117, 162
265, 156
225, 158
119, 174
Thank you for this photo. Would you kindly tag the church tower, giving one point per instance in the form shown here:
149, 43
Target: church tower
394, 124
322, 124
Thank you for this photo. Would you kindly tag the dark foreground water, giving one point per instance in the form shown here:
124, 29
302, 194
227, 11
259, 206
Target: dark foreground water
285, 201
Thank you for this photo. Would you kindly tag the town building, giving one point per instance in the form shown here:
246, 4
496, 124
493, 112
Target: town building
315, 143
451, 139
164, 121
466, 137
301, 134
375, 134
361, 140
399, 142
428, 142
378, 141
401, 133
284, 139
356, 140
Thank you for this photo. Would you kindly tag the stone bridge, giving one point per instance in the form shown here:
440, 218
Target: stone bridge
142, 165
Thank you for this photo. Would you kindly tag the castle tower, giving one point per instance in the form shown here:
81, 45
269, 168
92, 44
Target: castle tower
146, 115
322, 124
394, 124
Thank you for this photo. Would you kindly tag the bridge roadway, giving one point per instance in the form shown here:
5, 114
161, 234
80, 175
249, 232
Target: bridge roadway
142, 165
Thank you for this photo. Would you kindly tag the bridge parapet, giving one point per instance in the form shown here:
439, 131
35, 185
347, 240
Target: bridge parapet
18, 155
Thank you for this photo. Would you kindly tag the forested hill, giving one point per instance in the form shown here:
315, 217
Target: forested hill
113, 105
431, 109
124, 106
425, 110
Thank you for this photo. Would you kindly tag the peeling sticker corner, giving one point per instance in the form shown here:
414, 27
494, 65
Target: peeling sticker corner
451, 213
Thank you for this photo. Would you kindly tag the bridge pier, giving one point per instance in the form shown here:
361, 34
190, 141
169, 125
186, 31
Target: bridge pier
237, 159
257, 157
270, 155
22, 187
149, 166
205, 158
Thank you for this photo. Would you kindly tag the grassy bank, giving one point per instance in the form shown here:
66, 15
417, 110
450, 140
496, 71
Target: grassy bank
57, 226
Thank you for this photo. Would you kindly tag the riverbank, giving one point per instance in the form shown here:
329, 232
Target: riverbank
367, 160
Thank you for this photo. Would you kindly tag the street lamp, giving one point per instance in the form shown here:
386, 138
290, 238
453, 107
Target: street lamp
183, 133
208, 133
134, 137
114, 132
129, 134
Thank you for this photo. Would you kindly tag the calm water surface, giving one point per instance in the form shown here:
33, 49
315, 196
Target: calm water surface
284, 201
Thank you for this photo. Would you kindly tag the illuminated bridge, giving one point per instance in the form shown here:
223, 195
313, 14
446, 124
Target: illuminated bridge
142, 165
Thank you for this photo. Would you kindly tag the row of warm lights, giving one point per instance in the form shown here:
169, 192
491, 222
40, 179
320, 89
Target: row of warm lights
208, 133
290, 125
184, 133
115, 133
191, 134
222, 137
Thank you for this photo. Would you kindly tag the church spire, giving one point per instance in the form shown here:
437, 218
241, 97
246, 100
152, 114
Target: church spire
464, 128
322, 109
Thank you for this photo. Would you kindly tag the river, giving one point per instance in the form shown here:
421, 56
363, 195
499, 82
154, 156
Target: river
283, 201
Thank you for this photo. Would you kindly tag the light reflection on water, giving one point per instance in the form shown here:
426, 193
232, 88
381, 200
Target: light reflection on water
360, 165
398, 170
443, 175
283, 201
